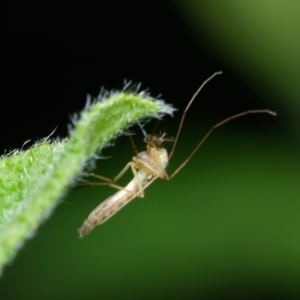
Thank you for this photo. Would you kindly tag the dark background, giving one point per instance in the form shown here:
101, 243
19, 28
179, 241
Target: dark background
52, 57
228, 224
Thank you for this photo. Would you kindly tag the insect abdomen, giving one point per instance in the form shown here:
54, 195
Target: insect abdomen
108, 208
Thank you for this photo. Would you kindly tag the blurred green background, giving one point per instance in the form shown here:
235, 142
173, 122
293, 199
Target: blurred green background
227, 226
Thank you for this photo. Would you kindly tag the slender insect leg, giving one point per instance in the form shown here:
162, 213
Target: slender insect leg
142, 189
135, 173
162, 174
155, 127
112, 184
108, 179
187, 108
257, 111
122, 172
134, 146
99, 177
92, 184
109, 183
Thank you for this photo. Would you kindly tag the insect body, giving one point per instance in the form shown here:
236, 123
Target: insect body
147, 166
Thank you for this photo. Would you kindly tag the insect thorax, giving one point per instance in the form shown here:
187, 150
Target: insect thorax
156, 158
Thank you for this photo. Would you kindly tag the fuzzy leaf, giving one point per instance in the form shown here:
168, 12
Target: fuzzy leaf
32, 182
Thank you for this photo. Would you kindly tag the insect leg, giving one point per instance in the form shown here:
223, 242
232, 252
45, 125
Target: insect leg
257, 111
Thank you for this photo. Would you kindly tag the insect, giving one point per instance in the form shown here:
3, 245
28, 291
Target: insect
146, 167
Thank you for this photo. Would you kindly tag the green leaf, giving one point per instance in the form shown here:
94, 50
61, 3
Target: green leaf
32, 182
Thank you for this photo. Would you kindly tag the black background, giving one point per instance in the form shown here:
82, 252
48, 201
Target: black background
53, 56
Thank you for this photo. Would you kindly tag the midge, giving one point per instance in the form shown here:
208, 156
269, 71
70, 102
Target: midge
146, 167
